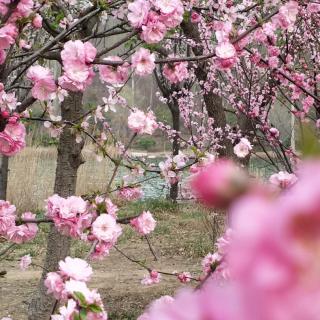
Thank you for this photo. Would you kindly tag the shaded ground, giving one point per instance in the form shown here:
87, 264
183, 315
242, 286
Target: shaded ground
180, 241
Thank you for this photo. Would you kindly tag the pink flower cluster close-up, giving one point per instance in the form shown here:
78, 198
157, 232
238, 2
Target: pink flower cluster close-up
69, 286
9, 227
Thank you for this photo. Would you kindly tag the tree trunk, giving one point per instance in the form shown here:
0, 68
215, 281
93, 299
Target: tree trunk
58, 246
245, 125
175, 112
4, 169
213, 102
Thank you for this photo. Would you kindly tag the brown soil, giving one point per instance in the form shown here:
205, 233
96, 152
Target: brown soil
117, 279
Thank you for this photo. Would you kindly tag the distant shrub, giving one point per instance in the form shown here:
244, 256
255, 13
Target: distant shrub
146, 143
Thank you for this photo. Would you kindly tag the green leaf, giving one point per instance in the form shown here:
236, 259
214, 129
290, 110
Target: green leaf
186, 16
83, 314
94, 308
76, 317
81, 298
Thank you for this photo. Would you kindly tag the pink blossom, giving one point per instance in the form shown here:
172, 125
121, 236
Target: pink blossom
101, 250
184, 277
274, 132
7, 216
24, 8
313, 7
176, 72
55, 285
217, 184
273, 62
209, 261
44, 85
105, 228
24, 232
195, 17
152, 278
143, 62
136, 121
23, 44
71, 216
168, 170
287, 15
4, 7
138, 12
37, 21
76, 269
144, 224
8, 101
225, 64
172, 20
8, 34
72, 286
25, 262
67, 312
307, 103
111, 208
243, 148
154, 30
117, 75
97, 316
167, 6
130, 193
3, 56
283, 179
225, 50
77, 58
141, 123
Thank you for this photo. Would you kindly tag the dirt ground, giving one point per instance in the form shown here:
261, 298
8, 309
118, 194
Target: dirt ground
180, 241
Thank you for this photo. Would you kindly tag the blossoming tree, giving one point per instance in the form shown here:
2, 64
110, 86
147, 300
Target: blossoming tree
219, 57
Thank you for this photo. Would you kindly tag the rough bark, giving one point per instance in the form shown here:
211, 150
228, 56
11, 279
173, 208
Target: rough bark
213, 102
245, 125
4, 170
175, 112
4, 161
58, 246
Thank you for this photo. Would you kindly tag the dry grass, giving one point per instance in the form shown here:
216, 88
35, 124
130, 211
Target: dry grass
32, 173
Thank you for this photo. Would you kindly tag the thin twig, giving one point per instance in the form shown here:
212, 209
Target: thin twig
151, 248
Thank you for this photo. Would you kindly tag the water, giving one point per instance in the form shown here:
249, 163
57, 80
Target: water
157, 187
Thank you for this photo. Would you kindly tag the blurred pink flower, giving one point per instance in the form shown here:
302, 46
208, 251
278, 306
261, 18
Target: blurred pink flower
283, 179
25, 262
219, 183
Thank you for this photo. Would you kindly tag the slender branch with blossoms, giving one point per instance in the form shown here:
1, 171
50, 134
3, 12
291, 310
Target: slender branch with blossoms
239, 57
